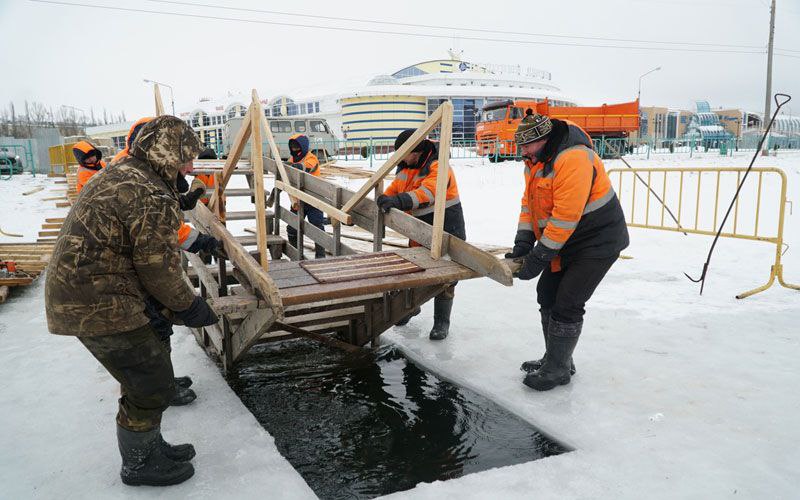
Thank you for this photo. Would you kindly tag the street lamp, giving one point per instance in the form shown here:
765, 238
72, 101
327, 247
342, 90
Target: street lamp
639, 94
171, 96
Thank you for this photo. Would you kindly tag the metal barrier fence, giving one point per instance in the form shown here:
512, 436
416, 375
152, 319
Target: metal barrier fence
25, 152
6, 166
720, 176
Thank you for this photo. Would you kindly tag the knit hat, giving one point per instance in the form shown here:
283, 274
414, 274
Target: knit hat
532, 128
403, 137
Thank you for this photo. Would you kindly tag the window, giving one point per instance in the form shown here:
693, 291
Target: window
282, 126
316, 107
318, 126
119, 142
299, 126
303, 108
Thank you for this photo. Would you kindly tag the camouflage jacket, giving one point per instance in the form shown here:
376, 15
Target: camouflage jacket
119, 242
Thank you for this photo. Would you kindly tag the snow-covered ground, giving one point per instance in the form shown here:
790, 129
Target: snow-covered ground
677, 395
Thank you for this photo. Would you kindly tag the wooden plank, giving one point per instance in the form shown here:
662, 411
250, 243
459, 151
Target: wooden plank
51, 225
396, 158
327, 305
316, 234
246, 215
322, 317
235, 304
257, 277
442, 177
250, 331
295, 281
233, 157
312, 200
250, 241
46, 234
55, 219
203, 274
276, 155
338, 344
15, 281
256, 156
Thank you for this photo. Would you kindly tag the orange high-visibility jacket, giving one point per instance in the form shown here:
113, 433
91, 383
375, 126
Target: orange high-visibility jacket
134, 130
83, 150
186, 236
420, 184
309, 162
570, 187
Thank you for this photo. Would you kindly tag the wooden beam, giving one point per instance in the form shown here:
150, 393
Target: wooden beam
396, 158
315, 202
159, 104
256, 276
203, 274
233, 157
442, 176
250, 331
256, 162
329, 341
316, 234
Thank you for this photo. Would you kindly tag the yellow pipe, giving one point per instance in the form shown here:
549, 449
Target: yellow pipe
697, 202
664, 198
716, 200
758, 201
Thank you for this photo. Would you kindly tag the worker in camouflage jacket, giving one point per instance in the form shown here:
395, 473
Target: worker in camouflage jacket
117, 246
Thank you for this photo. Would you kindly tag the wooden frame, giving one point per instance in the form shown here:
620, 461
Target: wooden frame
159, 103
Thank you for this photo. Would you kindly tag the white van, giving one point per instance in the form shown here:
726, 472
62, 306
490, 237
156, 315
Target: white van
322, 141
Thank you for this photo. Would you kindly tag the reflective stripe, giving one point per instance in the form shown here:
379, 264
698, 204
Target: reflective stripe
527, 171
430, 208
525, 209
540, 174
562, 224
553, 245
600, 202
525, 226
193, 234
428, 193
542, 223
403, 176
414, 200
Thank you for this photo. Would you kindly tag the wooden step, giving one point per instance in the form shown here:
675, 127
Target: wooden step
239, 192
251, 240
246, 215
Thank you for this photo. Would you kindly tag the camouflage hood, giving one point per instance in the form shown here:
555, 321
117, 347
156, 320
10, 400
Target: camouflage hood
166, 143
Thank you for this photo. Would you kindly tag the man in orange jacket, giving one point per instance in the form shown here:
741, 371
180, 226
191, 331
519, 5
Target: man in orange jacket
303, 159
89, 160
414, 190
571, 230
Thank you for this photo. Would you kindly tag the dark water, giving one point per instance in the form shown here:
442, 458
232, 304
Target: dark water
364, 426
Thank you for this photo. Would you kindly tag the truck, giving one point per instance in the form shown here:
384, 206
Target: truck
322, 141
494, 134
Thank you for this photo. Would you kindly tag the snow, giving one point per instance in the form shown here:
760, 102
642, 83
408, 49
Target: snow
677, 395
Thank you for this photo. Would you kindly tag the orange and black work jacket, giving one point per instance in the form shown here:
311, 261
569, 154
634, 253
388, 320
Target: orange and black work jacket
81, 151
569, 202
419, 181
305, 161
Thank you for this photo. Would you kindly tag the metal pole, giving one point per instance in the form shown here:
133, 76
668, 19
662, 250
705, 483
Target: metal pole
767, 100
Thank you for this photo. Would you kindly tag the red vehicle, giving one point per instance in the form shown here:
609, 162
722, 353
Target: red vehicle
495, 132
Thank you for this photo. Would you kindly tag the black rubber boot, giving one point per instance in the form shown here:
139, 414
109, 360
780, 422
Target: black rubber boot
184, 382
441, 318
563, 337
144, 460
532, 366
177, 452
183, 396
406, 319
319, 252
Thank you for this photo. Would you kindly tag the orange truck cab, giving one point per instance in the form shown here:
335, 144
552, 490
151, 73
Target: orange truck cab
495, 132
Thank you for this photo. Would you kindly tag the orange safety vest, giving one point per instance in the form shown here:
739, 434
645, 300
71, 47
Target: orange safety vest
420, 184
561, 191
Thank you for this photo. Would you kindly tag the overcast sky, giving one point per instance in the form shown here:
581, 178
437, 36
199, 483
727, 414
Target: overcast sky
91, 57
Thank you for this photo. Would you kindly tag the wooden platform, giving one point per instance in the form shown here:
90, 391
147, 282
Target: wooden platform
297, 286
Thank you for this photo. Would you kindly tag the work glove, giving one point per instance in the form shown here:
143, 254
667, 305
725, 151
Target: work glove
401, 201
181, 183
523, 244
205, 244
199, 314
535, 262
189, 201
